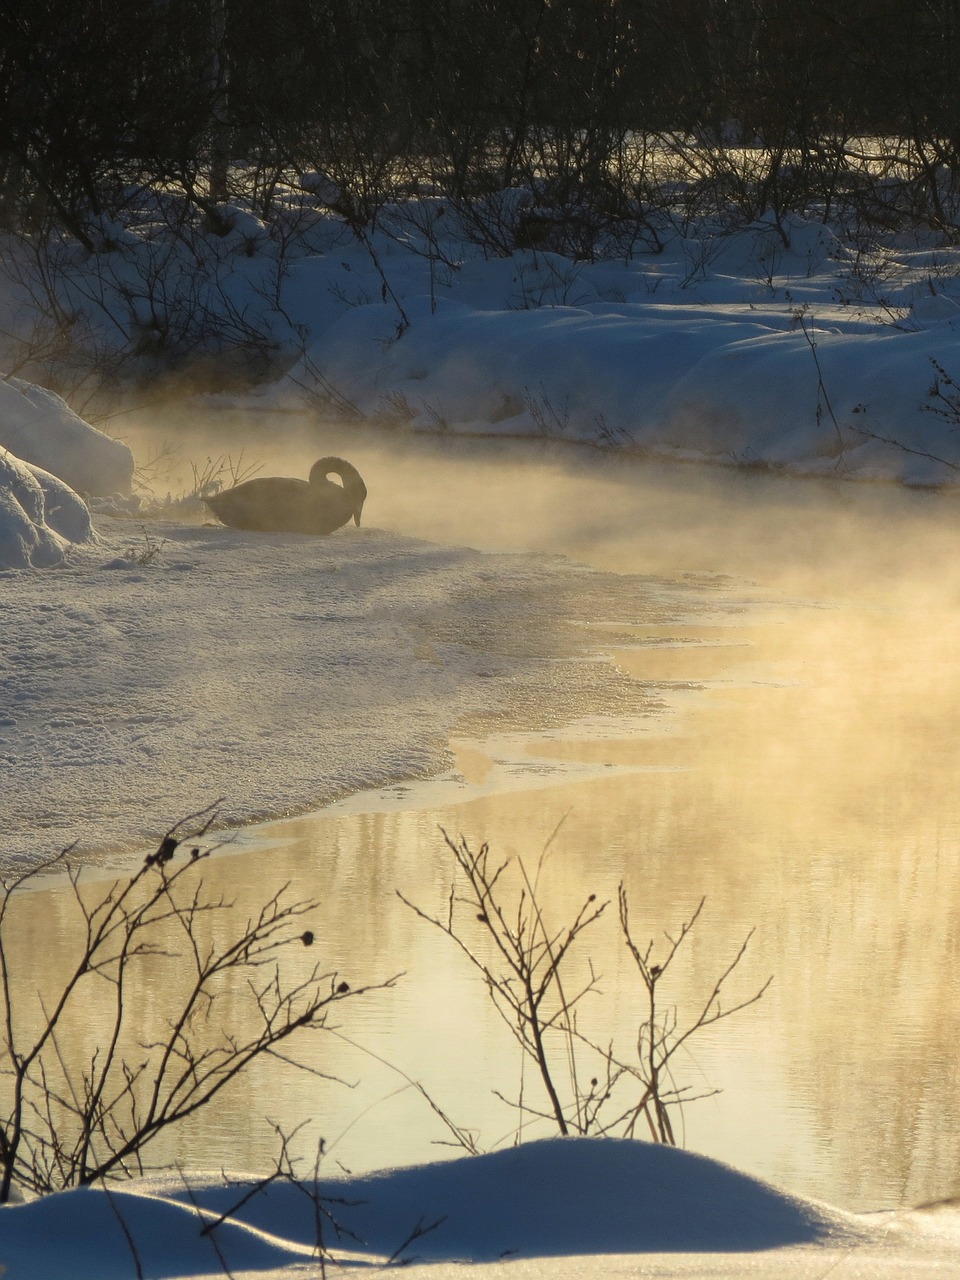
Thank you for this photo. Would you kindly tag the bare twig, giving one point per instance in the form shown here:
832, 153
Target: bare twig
65, 1122
526, 968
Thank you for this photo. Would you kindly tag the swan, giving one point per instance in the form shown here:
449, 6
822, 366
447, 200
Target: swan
276, 504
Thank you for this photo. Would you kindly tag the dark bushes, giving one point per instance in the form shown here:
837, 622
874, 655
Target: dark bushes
596, 106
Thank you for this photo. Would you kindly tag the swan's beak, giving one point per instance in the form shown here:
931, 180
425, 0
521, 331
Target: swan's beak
356, 516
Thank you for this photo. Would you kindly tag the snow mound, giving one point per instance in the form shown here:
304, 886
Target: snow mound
39, 427
40, 516
95, 1235
554, 1197
560, 1198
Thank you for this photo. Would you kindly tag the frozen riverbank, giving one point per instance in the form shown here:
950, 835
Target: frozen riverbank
171, 666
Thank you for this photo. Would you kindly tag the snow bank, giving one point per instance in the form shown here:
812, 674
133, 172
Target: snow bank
546, 1198
39, 427
554, 1196
673, 1213
812, 358
778, 344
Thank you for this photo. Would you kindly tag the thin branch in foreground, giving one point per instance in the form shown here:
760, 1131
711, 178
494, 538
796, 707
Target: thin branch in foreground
68, 1122
537, 979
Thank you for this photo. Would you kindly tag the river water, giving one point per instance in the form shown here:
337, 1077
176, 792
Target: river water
803, 780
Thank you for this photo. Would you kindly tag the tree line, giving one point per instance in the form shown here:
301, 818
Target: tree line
606, 109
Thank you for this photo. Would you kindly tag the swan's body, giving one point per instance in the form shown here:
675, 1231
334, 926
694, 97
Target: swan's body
275, 504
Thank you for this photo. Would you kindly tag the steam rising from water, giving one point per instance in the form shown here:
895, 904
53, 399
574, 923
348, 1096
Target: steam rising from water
813, 536
808, 785
853, 590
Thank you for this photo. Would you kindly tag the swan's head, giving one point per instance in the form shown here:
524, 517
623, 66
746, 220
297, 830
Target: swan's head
360, 497
353, 486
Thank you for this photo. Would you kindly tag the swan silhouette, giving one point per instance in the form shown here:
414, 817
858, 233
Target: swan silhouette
275, 504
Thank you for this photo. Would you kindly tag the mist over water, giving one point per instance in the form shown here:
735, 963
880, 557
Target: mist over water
805, 782
826, 537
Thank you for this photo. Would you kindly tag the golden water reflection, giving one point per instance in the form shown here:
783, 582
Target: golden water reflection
805, 782
806, 791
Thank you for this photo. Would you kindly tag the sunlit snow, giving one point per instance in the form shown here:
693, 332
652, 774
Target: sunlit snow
146, 669
560, 1207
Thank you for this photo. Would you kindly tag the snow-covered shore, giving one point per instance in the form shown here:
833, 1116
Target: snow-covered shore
795, 345
277, 672
801, 358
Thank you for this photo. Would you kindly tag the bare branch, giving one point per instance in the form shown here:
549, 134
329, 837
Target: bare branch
65, 1122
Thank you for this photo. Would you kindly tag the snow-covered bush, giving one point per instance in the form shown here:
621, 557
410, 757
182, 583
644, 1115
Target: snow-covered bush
40, 516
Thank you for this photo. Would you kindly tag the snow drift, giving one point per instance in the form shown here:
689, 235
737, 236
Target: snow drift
557, 1197
550, 1197
39, 427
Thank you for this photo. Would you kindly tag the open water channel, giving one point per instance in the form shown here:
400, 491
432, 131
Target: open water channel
802, 777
